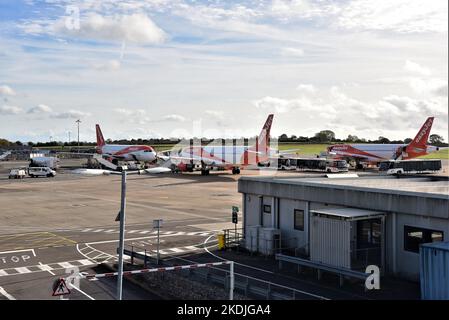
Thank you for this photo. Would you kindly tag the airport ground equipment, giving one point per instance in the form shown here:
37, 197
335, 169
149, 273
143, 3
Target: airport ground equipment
410, 166
17, 174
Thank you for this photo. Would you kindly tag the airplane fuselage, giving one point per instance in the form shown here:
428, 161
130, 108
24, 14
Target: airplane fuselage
378, 152
223, 156
128, 152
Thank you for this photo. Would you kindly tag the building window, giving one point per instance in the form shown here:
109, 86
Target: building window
299, 219
266, 208
414, 236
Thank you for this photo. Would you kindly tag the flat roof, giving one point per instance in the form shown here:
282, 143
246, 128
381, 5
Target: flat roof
424, 186
437, 245
347, 212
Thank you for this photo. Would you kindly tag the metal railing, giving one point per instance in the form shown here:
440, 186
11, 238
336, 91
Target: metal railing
248, 286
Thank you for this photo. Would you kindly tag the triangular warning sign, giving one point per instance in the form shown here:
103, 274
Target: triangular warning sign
60, 288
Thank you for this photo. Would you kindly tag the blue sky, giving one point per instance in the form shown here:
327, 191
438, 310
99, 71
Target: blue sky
180, 68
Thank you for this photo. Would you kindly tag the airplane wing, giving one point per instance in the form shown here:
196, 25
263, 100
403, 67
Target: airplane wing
98, 172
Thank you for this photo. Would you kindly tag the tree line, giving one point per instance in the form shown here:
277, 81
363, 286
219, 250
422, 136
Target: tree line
324, 136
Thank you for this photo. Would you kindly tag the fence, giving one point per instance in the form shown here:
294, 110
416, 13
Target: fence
248, 286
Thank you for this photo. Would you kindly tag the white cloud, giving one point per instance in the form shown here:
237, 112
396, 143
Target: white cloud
71, 114
39, 109
429, 86
10, 110
6, 91
414, 67
403, 16
217, 114
441, 91
174, 117
137, 28
292, 52
137, 116
309, 88
273, 104
109, 65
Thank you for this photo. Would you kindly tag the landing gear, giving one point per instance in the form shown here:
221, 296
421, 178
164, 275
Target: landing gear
235, 170
204, 172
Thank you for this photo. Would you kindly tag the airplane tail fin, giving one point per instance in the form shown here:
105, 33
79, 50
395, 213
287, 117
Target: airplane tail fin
100, 139
264, 136
418, 146
423, 134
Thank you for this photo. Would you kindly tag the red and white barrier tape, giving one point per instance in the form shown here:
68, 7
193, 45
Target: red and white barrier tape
126, 273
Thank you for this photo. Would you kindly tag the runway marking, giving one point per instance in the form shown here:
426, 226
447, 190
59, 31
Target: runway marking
23, 270
6, 294
33, 240
14, 251
44, 267
66, 264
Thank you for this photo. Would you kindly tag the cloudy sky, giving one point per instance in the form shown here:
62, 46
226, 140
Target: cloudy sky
170, 68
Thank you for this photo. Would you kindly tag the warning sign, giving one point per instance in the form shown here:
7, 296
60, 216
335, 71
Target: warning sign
60, 288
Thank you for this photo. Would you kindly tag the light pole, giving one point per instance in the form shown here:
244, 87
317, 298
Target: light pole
122, 237
78, 122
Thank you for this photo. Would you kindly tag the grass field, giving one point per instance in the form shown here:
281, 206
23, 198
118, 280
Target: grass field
314, 149
303, 149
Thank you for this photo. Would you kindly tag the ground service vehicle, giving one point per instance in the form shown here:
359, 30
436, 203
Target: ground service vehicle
410, 166
17, 174
41, 172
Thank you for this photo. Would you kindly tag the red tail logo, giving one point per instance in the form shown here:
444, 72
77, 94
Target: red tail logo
418, 146
423, 134
100, 139
264, 135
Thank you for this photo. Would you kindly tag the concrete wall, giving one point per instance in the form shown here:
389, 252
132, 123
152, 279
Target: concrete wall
406, 264
252, 210
291, 237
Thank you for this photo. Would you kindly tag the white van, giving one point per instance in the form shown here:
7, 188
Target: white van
41, 172
17, 173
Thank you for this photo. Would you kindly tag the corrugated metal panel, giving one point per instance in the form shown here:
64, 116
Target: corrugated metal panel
330, 241
434, 271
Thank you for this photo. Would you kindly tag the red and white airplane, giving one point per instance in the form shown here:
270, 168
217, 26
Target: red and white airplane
227, 157
123, 152
379, 152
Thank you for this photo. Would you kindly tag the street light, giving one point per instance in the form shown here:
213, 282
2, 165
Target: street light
78, 122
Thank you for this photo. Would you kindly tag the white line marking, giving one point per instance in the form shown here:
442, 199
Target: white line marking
79, 290
143, 232
66, 264
85, 256
45, 267
110, 230
3, 273
86, 230
23, 270
130, 239
98, 230
176, 250
192, 248
14, 251
133, 231
85, 262
6, 294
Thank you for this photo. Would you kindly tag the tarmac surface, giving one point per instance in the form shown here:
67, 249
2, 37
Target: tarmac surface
54, 227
